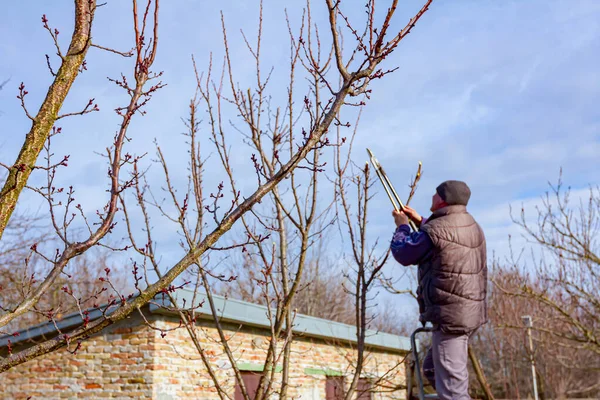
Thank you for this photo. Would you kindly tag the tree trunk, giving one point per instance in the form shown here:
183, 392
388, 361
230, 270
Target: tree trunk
43, 122
480, 376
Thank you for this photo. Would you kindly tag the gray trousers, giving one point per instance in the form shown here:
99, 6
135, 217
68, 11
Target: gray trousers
445, 365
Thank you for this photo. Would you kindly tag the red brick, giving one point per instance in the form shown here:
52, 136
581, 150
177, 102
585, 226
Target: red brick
93, 386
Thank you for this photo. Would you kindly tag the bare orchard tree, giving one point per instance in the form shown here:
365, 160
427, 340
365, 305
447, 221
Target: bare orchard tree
558, 288
65, 214
74, 231
279, 234
285, 139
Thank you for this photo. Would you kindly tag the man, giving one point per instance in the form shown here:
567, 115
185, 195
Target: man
450, 251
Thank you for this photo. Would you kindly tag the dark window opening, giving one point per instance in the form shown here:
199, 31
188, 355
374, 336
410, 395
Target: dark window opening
251, 380
334, 388
363, 389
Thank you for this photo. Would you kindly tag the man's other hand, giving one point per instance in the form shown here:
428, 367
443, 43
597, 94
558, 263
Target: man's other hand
413, 215
400, 218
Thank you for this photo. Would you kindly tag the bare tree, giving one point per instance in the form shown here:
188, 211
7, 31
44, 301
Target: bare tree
562, 371
568, 270
65, 215
557, 286
63, 210
285, 140
279, 234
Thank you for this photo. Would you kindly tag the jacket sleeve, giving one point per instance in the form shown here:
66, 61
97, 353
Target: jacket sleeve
410, 248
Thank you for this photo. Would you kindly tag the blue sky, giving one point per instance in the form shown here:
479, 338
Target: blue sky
501, 94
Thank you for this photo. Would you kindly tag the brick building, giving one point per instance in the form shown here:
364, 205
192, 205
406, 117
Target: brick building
132, 359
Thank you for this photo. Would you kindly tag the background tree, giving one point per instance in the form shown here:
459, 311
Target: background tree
77, 289
558, 288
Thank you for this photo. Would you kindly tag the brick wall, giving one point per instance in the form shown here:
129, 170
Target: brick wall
112, 365
132, 360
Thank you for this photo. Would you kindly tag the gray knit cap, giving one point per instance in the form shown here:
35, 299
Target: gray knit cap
454, 192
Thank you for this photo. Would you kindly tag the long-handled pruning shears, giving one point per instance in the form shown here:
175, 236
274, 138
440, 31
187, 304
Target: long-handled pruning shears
399, 206
389, 188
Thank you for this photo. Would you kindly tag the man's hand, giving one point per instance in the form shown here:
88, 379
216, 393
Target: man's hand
413, 215
400, 218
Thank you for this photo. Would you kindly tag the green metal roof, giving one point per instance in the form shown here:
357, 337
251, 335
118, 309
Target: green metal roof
238, 311
235, 311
